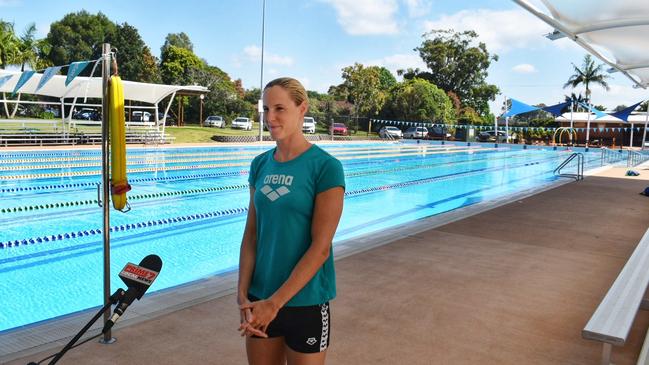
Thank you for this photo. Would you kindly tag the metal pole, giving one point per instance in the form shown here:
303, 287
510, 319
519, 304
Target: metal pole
588, 126
644, 133
631, 139
261, 78
106, 59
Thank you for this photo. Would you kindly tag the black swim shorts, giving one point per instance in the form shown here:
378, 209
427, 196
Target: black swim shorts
305, 329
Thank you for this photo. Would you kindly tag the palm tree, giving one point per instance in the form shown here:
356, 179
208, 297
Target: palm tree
32, 50
587, 74
574, 100
8, 44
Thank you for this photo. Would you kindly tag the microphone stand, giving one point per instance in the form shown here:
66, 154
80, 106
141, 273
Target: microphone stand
113, 299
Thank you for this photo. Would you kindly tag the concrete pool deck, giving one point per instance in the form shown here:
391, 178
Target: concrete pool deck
511, 285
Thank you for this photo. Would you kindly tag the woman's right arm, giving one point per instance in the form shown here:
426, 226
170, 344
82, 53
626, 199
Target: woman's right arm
247, 257
248, 252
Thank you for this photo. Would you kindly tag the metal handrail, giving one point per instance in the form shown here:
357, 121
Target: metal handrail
635, 158
610, 156
580, 167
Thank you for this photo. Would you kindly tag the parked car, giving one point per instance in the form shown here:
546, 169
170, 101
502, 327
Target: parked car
214, 121
415, 132
338, 128
87, 114
309, 125
170, 119
490, 136
389, 131
438, 132
242, 123
140, 116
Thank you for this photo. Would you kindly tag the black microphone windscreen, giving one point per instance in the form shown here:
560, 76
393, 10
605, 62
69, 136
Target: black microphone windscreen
152, 262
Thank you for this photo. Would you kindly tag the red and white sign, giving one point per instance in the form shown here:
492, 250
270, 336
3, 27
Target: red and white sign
138, 273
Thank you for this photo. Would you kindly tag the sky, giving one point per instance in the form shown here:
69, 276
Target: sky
312, 40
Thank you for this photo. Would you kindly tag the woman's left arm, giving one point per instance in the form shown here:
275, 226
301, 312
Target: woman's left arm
326, 215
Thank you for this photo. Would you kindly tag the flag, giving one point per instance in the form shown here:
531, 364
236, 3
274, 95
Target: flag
23, 80
47, 75
74, 70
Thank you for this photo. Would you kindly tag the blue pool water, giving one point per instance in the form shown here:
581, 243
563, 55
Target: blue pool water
189, 207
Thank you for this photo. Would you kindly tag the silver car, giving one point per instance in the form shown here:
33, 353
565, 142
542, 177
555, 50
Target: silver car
214, 121
242, 123
415, 132
388, 131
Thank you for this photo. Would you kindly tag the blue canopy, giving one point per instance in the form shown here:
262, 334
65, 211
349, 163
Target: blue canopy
624, 114
519, 108
598, 113
556, 109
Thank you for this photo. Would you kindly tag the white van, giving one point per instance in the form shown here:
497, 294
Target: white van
309, 125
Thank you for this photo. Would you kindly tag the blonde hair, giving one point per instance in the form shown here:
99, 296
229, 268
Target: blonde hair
295, 90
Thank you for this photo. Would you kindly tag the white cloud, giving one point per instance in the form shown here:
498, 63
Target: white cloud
398, 61
524, 68
501, 30
417, 8
253, 53
366, 17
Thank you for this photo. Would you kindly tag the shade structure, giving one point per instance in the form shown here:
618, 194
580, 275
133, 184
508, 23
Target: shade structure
625, 113
518, 107
82, 87
614, 31
556, 109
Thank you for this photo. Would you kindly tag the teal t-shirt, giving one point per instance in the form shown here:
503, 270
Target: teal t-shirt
284, 200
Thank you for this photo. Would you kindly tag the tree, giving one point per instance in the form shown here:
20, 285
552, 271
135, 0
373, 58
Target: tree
179, 65
133, 56
8, 44
419, 100
150, 71
386, 78
31, 51
180, 40
575, 100
455, 63
78, 37
364, 89
586, 75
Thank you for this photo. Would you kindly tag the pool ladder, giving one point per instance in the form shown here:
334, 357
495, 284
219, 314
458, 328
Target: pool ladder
580, 167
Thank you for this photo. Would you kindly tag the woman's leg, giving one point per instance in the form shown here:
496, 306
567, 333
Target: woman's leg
266, 351
298, 358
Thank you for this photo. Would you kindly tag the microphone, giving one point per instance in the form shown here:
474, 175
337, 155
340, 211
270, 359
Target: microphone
138, 278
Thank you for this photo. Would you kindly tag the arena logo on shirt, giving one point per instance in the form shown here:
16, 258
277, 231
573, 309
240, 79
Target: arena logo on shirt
274, 194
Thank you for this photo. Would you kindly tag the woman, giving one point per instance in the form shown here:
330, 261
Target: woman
286, 273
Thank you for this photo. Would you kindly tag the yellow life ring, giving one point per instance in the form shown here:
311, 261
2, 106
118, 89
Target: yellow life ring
119, 185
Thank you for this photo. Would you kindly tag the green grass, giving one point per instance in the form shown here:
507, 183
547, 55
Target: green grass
190, 133
195, 134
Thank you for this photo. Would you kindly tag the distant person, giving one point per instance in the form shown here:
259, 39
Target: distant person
286, 268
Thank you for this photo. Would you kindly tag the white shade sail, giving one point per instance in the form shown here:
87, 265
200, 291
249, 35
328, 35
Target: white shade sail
82, 87
614, 31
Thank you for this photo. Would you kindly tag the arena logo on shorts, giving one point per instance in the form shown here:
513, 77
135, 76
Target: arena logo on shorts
274, 194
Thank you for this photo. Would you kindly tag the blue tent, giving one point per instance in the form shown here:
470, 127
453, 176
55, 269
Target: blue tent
556, 109
624, 114
598, 113
519, 108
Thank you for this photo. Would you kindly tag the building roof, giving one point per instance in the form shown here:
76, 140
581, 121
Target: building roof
582, 117
82, 87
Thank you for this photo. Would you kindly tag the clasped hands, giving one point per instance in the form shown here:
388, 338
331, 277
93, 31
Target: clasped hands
256, 316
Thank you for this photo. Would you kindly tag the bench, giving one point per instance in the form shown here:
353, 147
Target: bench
614, 316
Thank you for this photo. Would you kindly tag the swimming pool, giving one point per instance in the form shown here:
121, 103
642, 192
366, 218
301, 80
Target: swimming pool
189, 207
